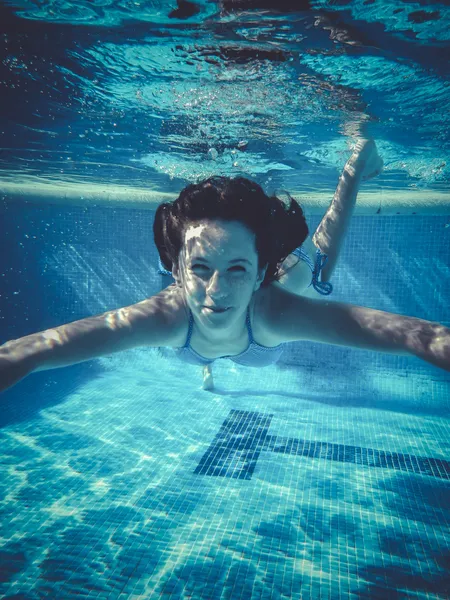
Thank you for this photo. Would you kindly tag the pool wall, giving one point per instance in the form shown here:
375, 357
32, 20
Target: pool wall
60, 264
373, 199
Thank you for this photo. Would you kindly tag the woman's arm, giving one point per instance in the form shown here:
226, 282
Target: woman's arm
294, 318
148, 323
365, 163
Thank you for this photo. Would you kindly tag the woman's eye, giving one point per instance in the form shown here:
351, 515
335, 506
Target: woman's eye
237, 268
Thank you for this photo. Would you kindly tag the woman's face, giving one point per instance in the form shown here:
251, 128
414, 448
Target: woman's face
218, 271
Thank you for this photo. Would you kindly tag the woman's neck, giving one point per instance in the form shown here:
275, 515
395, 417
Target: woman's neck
228, 336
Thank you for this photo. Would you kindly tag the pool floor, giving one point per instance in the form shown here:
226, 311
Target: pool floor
278, 484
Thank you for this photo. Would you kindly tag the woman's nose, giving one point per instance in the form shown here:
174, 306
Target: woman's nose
216, 285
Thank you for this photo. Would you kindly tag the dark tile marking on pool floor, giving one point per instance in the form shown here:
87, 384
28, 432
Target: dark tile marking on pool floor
243, 435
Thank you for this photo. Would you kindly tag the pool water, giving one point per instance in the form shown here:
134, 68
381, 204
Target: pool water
137, 484
323, 477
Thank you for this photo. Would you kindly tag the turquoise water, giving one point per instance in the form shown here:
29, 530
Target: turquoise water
132, 94
324, 477
102, 498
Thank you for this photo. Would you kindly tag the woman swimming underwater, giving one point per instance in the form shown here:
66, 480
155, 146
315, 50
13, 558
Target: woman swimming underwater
244, 271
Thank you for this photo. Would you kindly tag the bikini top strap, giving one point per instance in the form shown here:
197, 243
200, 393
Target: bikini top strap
191, 325
249, 326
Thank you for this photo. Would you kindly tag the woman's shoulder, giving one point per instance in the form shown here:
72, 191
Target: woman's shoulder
264, 305
271, 304
168, 309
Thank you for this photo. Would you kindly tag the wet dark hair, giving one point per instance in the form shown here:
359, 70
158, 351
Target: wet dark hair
278, 228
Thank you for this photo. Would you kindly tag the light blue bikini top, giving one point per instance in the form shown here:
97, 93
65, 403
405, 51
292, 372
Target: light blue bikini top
255, 355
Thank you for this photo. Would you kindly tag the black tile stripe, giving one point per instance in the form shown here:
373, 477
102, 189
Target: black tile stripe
237, 446
243, 435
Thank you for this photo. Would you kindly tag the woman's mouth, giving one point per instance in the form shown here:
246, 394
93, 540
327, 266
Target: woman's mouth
217, 309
